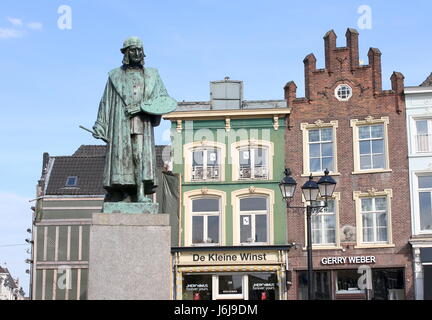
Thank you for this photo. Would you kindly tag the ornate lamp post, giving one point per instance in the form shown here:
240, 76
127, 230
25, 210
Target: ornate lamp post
311, 189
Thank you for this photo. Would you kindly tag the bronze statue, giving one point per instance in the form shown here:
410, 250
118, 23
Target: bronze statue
132, 104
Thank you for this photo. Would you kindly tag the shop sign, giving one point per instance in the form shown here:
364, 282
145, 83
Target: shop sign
226, 258
348, 260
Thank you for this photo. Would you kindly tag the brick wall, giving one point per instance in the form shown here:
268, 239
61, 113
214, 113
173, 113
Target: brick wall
368, 99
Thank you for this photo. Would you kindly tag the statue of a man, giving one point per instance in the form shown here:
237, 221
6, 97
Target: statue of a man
132, 104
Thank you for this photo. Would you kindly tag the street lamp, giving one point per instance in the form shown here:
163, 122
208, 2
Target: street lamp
311, 189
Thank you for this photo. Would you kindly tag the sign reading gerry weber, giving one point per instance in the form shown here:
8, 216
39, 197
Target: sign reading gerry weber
348, 260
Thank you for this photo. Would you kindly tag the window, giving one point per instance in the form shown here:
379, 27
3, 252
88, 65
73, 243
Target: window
322, 285
371, 144
324, 225
347, 281
204, 161
263, 286
205, 164
197, 287
425, 202
343, 92
253, 220
423, 135
71, 181
321, 149
205, 220
374, 219
253, 163
252, 160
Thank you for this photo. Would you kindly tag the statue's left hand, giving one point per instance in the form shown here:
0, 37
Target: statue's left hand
133, 109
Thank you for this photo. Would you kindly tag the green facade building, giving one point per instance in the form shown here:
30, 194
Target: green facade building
230, 154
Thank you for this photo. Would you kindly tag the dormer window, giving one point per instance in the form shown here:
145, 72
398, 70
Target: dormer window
71, 181
343, 92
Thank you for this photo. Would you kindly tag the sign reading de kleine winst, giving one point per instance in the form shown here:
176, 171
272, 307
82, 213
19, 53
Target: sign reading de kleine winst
217, 258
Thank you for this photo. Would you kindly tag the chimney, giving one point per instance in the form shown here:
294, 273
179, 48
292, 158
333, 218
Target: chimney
309, 67
352, 43
397, 82
375, 62
329, 46
290, 90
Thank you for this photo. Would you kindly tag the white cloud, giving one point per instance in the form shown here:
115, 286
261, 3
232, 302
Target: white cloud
7, 33
15, 22
34, 25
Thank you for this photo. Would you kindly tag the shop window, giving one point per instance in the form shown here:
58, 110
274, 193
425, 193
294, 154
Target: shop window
263, 286
197, 287
253, 163
231, 284
347, 282
427, 282
425, 202
205, 220
388, 284
321, 282
253, 220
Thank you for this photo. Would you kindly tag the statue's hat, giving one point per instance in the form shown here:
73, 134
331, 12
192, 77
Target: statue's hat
132, 41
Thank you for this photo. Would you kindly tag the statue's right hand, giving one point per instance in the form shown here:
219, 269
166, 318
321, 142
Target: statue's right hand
98, 133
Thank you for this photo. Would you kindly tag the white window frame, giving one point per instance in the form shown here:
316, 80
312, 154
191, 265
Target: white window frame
235, 202
416, 201
429, 135
206, 215
339, 87
253, 214
253, 167
372, 193
326, 246
355, 124
236, 147
374, 213
319, 124
188, 150
187, 214
204, 165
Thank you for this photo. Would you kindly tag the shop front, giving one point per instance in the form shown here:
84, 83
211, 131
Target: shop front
230, 273
353, 278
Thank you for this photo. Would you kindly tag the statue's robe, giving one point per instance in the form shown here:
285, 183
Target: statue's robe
115, 124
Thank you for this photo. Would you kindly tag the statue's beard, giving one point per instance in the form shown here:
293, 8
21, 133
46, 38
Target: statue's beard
128, 63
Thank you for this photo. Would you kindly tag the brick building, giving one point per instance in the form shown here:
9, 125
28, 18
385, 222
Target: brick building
347, 123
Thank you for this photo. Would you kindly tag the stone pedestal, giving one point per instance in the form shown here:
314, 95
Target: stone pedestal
130, 257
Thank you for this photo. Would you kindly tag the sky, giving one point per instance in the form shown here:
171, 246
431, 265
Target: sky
55, 56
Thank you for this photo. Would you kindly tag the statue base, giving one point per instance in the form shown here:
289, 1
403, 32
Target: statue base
130, 207
130, 257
